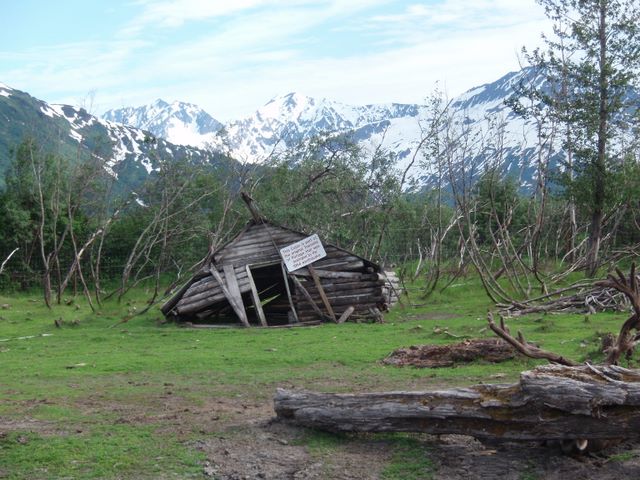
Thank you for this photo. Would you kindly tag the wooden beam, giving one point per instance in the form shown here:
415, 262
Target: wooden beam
234, 297
346, 314
307, 296
285, 277
256, 298
234, 290
304, 272
322, 293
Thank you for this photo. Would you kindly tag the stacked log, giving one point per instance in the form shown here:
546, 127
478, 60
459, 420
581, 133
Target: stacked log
392, 287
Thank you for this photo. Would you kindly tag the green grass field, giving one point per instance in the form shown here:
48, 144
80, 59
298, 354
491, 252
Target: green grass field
98, 399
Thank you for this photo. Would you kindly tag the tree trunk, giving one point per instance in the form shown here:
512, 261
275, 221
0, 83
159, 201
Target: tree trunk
552, 402
600, 167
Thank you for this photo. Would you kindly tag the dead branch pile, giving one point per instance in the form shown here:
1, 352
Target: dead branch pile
578, 298
434, 356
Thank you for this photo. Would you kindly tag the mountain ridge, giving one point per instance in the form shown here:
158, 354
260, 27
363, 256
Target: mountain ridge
127, 153
165, 130
287, 120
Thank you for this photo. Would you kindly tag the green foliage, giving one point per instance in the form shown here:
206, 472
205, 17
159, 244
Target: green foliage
351, 198
498, 204
589, 67
623, 457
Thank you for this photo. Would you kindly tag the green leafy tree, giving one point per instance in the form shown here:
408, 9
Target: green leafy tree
590, 66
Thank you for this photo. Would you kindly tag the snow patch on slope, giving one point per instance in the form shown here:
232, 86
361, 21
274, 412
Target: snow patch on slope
179, 123
5, 90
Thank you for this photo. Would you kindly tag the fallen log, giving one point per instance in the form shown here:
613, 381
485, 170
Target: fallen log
551, 402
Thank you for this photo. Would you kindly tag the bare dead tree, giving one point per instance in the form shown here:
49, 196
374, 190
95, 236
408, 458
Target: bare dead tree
524, 347
625, 342
166, 222
431, 147
6, 260
40, 171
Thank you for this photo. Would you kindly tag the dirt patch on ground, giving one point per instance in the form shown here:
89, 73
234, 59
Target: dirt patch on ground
266, 449
433, 356
241, 440
433, 316
458, 457
273, 450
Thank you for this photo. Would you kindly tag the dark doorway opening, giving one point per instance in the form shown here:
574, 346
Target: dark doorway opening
270, 284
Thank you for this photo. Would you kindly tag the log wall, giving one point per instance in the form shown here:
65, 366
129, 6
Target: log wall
346, 279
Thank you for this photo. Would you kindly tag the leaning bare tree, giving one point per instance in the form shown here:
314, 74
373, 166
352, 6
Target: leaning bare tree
6, 260
180, 206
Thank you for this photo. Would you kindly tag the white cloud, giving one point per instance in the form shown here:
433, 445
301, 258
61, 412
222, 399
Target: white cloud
257, 49
175, 13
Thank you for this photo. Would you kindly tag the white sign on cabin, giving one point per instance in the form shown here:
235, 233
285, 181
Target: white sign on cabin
303, 253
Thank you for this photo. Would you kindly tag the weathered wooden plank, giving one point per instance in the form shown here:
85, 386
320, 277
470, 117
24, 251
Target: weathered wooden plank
201, 285
232, 291
360, 309
346, 314
205, 314
323, 295
286, 284
168, 306
335, 297
355, 317
278, 236
262, 243
331, 264
260, 257
552, 402
214, 291
190, 307
357, 301
206, 284
266, 247
309, 323
329, 261
304, 272
256, 298
309, 300
248, 256
331, 287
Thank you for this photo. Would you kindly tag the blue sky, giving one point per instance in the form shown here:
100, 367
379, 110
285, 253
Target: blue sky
232, 56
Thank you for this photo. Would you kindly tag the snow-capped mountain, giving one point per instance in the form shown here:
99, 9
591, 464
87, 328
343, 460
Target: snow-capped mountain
132, 141
286, 121
180, 123
129, 154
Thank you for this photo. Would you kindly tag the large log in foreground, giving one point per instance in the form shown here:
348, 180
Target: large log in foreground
551, 402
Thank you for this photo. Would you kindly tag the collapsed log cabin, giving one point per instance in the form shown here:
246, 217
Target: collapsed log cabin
246, 280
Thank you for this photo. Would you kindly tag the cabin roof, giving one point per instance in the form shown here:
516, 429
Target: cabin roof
273, 238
